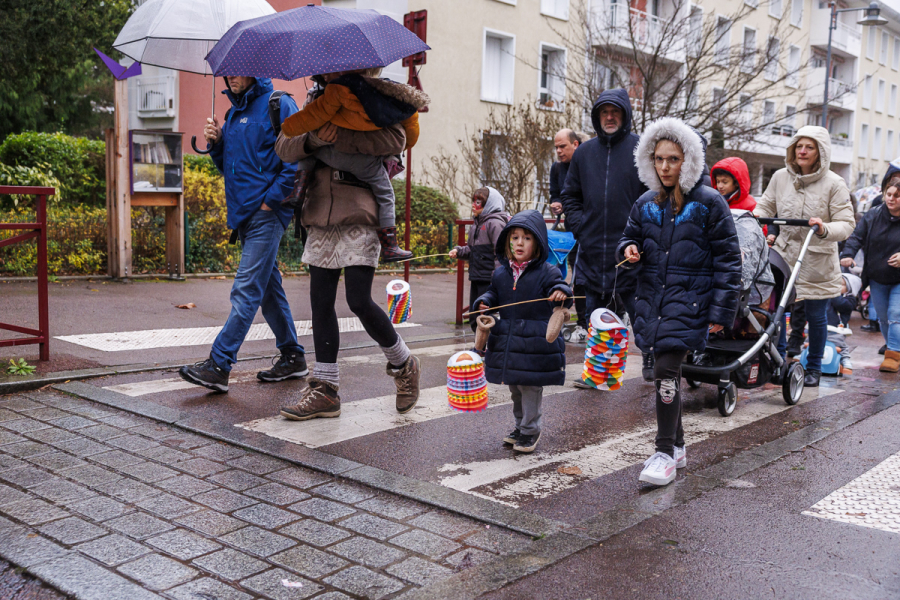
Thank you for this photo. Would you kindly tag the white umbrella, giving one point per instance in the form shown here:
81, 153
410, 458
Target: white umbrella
178, 34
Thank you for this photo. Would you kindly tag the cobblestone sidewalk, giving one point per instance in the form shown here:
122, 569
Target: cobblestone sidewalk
105, 504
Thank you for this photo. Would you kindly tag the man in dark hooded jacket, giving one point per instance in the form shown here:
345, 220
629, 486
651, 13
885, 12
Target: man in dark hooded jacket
601, 186
256, 183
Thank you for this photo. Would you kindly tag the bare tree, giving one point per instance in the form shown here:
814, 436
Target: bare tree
511, 151
681, 63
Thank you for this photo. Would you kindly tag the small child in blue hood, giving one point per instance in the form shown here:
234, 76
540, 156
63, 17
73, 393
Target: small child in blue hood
518, 353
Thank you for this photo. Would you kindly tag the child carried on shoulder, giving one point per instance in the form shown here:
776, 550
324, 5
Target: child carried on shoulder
360, 101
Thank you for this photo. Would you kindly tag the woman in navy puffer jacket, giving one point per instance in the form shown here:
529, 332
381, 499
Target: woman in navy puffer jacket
682, 233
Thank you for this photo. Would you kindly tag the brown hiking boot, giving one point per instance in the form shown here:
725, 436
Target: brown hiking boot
320, 399
407, 380
890, 364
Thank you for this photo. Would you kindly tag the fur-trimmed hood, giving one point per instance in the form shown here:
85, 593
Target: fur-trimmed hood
676, 131
402, 92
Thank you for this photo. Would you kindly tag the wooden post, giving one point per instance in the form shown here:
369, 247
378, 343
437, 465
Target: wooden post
121, 267
111, 245
175, 238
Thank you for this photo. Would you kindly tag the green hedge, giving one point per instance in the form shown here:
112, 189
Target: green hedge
78, 163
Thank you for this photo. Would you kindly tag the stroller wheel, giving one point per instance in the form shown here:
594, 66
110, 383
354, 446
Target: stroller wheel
567, 334
792, 388
727, 399
692, 384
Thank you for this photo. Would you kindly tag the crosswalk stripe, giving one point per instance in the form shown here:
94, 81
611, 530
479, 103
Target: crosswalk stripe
500, 479
156, 386
372, 415
192, 336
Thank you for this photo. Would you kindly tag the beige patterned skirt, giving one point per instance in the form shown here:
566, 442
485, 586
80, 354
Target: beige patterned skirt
339, 246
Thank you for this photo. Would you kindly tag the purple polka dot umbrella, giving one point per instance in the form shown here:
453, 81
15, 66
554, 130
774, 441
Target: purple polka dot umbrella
312, 40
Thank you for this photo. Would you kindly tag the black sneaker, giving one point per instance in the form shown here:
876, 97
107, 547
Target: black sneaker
647, 370
513, 437
526, 443
812, 378
872, 327
206, 373
287, 366
882, 349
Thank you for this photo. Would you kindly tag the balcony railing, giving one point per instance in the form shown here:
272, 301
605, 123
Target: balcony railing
156, 96
619, 24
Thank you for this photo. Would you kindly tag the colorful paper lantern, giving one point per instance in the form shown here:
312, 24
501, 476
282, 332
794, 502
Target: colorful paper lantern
606, 351
466, 384
399, 301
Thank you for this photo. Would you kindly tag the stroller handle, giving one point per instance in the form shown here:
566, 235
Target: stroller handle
785, 222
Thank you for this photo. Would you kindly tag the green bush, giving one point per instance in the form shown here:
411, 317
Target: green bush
428, 204
201, 163
40, 176
78, 163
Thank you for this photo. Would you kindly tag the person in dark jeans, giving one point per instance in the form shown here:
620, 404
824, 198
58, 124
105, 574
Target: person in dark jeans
488, 208
600, 189
683, 234
798, 326
256, 183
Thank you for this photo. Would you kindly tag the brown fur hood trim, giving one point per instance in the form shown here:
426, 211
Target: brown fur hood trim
400, 91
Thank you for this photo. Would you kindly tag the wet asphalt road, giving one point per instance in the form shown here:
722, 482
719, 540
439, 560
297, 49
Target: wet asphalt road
748, 541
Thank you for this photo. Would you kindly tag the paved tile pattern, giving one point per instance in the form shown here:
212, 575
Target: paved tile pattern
870, 500
139, 509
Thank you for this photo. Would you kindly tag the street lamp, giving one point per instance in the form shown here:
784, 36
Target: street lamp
873, 18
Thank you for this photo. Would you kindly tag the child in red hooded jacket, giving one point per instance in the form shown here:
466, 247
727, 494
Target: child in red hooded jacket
732, 178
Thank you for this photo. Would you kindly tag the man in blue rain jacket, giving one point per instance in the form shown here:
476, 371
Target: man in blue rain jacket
256, 183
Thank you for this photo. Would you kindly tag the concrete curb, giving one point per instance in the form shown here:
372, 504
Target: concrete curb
9, 385
435, 495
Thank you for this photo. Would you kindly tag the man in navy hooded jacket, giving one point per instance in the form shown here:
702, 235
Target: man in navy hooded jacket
601, 186
256, 183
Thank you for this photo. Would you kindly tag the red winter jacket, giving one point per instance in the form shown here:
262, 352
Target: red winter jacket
737, 168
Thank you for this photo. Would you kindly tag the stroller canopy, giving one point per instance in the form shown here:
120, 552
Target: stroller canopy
756, 275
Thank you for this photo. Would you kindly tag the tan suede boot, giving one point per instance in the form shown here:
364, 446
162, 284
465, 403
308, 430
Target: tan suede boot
407, 380
891, 362
319, 399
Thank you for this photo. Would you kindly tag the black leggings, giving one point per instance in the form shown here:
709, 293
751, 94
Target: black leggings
667, 376
323, 284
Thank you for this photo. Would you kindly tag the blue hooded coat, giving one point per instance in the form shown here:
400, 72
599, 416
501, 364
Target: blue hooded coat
253, 172
601, 187
691, 274
517, 351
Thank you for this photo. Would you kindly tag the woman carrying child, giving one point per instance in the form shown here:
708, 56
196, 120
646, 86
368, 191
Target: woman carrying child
490, 217
682, 233
878, 236
518, 354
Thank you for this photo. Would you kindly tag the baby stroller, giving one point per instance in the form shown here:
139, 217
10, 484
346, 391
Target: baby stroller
748, 357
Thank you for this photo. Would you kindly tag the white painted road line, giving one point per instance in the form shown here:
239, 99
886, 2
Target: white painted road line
372, 415
156, 386
501, 479
871, 500
193, 336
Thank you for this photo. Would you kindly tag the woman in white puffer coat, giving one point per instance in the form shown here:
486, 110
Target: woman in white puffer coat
806, 189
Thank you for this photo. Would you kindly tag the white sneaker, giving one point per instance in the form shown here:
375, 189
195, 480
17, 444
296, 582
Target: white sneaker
659, 469
579, 334
680, 457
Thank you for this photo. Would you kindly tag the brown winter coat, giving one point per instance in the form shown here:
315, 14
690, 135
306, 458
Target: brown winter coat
822, 194
329, 200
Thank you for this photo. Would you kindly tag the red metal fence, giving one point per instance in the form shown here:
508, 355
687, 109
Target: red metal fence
461, 267
37, 231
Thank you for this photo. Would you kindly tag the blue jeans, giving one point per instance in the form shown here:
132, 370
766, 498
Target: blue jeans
886, 300
257, 284
873, 314
817, 318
